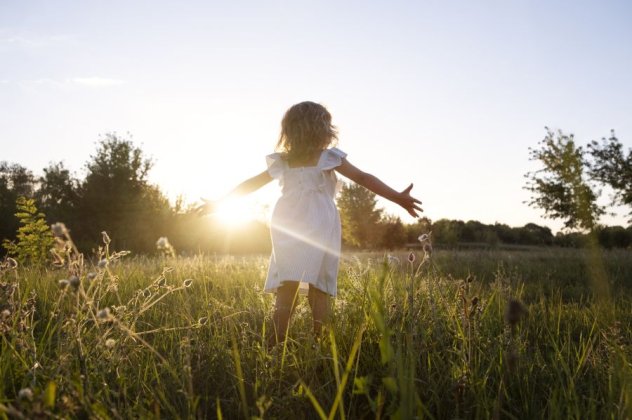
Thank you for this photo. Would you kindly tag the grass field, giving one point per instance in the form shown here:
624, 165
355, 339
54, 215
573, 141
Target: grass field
470, 334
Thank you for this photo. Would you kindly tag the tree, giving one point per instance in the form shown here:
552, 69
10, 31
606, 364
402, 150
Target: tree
34, 238
359, 215
393, 232
15, 181
447, 232
560, 188
57, 195
612, 167
116, 197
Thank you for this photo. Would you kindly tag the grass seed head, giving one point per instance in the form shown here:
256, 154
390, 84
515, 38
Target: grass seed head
110, 343
6, 314
187, 282
104, 314
59, 230
74, 282
63, 283
102, 263
25, 394
11, 264
106, 238
411, 257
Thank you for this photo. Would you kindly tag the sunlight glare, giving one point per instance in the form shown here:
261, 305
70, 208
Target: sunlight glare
234, 212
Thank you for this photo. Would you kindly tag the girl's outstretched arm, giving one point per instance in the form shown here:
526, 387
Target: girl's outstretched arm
248, 186
373, 183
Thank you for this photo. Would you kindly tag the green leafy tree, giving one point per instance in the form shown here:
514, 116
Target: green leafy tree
393, 232
560, 187
359, 216
448, 232
34, 238
116, 197
611, 166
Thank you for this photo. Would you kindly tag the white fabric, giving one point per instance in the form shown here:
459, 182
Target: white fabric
305, 224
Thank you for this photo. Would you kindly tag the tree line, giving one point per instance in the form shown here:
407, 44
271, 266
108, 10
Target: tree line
115, 196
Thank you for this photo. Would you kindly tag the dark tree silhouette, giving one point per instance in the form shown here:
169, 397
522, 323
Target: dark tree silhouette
57, 195
15, 181
116, 197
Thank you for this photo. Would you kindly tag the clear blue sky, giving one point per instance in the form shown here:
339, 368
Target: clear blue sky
448, 95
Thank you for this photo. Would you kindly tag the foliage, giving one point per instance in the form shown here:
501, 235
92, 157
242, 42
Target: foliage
58, 193
15, 181
612, 167
392, 232
560, 187
116, 197
34, 238
464, 348
359, 215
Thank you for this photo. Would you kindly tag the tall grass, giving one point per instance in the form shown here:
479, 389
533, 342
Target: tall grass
471, 334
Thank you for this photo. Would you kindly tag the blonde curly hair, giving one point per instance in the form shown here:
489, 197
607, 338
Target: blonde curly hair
306, 130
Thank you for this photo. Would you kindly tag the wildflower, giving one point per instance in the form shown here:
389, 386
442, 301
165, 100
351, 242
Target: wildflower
469, 278
411, 257
91, 276
162, 282
423, 238
146, 293
102, 263
6, 313
110, 343
25, 394
11, 263
162, 242
104, 314
63, 283
187, 282
203, 320
106, 238
392, 260
515, 311
74, 282
59, 230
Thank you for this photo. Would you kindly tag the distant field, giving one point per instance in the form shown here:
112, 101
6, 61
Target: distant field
136, 338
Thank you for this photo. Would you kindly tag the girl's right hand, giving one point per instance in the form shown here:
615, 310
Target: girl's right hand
205, 208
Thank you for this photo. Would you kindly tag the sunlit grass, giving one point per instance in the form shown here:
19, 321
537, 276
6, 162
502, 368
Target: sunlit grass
430, 345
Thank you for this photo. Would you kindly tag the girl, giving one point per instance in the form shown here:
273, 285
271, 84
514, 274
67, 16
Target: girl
305, 225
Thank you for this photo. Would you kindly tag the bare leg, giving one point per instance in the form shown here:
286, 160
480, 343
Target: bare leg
286, 299
319, 301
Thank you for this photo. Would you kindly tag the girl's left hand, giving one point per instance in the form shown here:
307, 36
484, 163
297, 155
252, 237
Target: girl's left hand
409, 203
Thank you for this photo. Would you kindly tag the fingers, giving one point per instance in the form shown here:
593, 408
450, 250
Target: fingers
407, 190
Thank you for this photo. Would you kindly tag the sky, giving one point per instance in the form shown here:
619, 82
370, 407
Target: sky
446, 95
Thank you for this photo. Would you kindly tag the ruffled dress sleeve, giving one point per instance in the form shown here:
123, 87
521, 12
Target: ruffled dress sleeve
276, 165
332, 158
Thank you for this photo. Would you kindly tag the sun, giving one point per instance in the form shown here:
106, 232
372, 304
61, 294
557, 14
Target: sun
234, 212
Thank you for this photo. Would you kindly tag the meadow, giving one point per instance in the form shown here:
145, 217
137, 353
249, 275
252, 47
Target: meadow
540, 333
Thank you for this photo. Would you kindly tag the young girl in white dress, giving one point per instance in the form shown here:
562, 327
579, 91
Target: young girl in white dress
305, 225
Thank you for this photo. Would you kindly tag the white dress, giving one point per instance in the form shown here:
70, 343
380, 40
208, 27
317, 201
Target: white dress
305, 224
